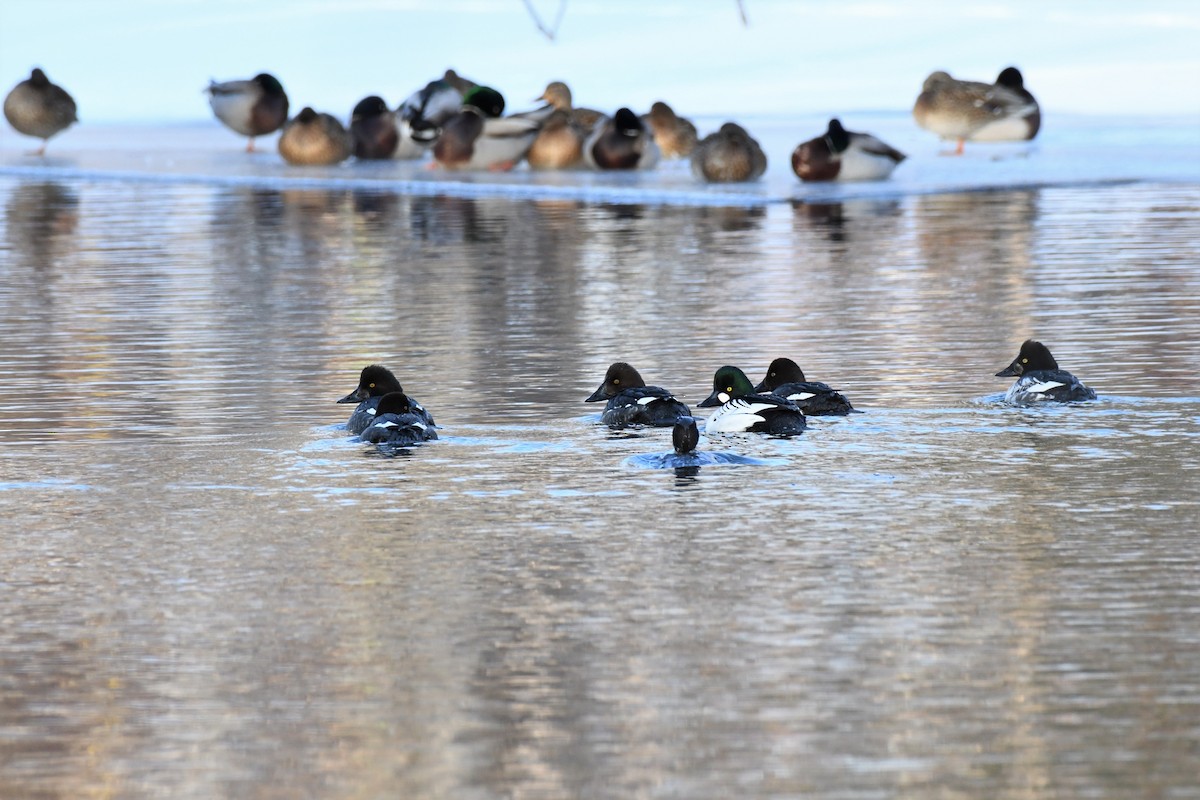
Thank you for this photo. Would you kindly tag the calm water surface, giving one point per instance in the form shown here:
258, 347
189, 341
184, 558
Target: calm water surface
209, 590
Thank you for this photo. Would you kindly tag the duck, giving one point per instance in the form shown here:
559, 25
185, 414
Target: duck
374, 382
254, 107
36, 107
426, 110
740, 409
685, 435
558, 145
1040, 380
1004, 111
675, 135
621, 143
398, 423
558, 94
785, 378
313, 138
842, 155
631, 402
374, 129
477, 137
728, 155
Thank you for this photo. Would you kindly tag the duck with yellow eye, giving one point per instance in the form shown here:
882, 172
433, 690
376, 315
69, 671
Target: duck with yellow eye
740, 409
1040, 380
786, 379
629, 401
374, 382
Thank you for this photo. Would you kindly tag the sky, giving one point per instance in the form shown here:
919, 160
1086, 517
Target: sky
149, 60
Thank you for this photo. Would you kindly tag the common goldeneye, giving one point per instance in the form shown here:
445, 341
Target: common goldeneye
1039, 378
373, 383
397, 423
632, 402
740, 409
786, 379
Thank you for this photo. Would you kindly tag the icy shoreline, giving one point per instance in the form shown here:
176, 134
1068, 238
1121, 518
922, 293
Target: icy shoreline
1073, 151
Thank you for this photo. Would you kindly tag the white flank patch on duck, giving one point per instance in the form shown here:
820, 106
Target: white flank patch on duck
800, 396
645, 401
1044, 386
735, 416
859, 165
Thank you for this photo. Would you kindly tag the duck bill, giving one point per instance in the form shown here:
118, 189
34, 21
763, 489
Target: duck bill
597, 395
762, 386
1011, 371
710, 401
357, 396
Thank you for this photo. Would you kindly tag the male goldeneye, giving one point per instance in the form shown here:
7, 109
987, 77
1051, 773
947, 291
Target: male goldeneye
632, 402
373, 383
743, 410
786, 379
398, 423
1039, 378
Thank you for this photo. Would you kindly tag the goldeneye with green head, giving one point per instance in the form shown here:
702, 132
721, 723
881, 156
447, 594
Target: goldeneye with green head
398, 422
1040, 380
740, 409
632, 402
374, 382
786, 379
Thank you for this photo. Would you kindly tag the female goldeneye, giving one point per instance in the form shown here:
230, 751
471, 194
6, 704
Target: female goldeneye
842, 155
632, 402
1039, 378
786, 379
743, 410
398, 422
374, 382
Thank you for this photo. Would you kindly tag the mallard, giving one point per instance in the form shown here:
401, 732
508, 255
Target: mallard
37, 107
427, 109
477, 137
373, 126
313, 138
729, 155
842, 155
559, 144
674, 135
622, 142
252, 108
1003, 111
558, 94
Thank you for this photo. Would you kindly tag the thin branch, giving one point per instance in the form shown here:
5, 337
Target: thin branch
742, 10
549, 33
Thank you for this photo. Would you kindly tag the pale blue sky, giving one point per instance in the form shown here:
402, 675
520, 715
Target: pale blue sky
148, 60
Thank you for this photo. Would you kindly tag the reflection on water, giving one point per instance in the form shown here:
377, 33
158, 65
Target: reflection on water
211, 591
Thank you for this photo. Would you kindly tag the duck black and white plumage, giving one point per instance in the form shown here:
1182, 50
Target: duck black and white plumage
36, 107
374, 129
422, 115
1040, 380
622, 142
253, 107
740, 409
398, 423
842, 155
478, 138
631, 402
786, 379
374, 382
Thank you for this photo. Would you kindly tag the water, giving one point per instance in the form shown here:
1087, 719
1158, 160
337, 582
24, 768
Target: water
210, 591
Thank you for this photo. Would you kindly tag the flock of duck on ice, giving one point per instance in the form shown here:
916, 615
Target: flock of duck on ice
461, 124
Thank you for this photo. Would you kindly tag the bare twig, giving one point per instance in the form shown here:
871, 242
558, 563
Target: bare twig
549, 33
742, 10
